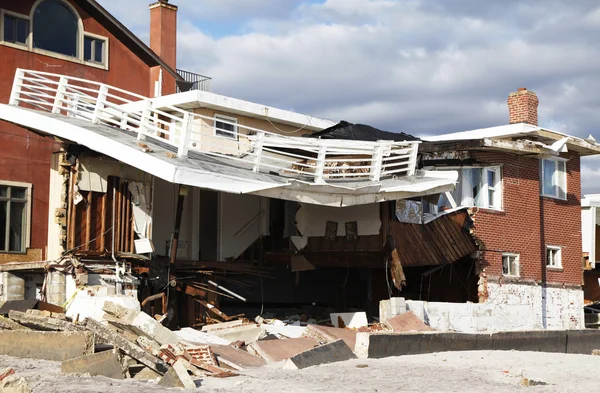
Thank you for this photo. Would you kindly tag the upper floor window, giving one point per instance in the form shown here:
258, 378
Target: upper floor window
93, 49
481, 187
14, 216
510, 264
553, 257
553, 178
16, 29
226, 126
55, 28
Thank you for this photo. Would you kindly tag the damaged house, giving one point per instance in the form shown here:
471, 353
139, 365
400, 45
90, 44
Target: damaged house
208, 207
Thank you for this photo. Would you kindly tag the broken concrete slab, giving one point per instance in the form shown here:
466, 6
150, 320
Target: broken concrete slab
40, 322
171, 380
141, 322
336, 351
326, 334
280, 328
409, 321
236, 358
103, 363
279, 350
181, 370
147, 374
46, 345
13, 384
391, 307
245, 333
125, 345
9, 324
352, 320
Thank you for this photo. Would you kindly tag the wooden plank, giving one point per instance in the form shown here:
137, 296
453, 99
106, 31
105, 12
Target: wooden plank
103, 222
88, 221
31, 255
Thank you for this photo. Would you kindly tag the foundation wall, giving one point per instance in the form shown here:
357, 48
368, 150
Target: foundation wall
509, 307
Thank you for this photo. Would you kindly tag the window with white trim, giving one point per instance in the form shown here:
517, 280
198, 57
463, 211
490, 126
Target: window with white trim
481, 187
55, 28
15, 29
510, 264
15, 199
226, 127
553, 178
553, 257
93, 49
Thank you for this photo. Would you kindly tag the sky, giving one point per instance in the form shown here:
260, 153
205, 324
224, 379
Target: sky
423, 67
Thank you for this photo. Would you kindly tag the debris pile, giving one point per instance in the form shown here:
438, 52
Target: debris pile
128, 343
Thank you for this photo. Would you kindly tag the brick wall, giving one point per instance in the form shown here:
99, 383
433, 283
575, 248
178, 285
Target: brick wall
529, 222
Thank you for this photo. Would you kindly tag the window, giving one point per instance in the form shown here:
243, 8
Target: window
510, 264
226, 127
480, 187
553, 178
553, 257
55, 28
16, 30
93, 49
14, 217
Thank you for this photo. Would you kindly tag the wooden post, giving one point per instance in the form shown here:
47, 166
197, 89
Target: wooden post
183, 191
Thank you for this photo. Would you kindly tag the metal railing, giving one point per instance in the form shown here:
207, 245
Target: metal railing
196, 81
314, 160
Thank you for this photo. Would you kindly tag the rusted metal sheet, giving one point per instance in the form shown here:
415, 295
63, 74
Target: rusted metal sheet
444, 240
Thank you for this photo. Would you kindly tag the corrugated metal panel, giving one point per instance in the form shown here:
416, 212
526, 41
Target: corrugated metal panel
442, 241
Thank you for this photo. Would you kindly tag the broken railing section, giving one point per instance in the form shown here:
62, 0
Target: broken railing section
313, 160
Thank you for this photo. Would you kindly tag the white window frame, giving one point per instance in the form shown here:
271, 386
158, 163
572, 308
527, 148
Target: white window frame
518, 263
105, 50
498, 187
27, 228
17, 45
556, 180
226, 135
81, 33
558, 256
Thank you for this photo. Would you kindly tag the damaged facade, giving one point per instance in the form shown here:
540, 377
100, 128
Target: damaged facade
207, 207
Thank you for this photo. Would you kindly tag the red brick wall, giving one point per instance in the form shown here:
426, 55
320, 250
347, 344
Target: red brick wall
529, 222
25, 156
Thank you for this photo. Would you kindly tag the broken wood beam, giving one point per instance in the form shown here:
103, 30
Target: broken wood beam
126, 346
152, 298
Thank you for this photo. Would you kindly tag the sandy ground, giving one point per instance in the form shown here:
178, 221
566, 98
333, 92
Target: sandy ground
478, 371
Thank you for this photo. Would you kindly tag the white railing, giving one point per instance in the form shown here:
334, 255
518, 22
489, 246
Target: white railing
316, 160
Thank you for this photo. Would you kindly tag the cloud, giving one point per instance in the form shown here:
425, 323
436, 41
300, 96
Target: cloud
417, 66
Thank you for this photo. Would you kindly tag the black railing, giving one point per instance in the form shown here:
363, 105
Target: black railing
193, 81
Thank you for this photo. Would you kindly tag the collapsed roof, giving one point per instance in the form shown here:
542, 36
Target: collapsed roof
360, 132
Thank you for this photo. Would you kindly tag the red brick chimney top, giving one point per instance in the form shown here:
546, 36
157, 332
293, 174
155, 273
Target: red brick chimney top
523, 107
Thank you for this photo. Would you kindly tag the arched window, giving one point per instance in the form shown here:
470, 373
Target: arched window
55, 28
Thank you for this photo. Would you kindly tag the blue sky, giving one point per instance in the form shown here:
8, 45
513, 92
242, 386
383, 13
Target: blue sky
418, 66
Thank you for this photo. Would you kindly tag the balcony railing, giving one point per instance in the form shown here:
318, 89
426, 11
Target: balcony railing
193, 82
307, 159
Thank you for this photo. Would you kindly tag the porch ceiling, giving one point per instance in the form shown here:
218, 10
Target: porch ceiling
219, 174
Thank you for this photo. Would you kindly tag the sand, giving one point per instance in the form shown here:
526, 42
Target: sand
476, 371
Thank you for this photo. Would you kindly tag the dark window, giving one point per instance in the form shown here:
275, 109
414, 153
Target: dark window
55, 28
93, 50
13, 218
16, 29
227, 130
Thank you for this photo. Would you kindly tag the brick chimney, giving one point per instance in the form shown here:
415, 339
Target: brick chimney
523, 107
163, 41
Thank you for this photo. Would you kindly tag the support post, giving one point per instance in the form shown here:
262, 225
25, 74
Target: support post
320, 169
183, 192
412, 169
145, 120
377, 162
60, 94
184, 139
258, 148
100, 101
16, 88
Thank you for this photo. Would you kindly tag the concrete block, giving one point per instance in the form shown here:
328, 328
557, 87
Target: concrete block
177, 377
171, 380
391, 307
13, 287
141, 323
353, 320
57, 346
40, 322
336, 351
147, 374
583, 341
278, 350
9, 324
326, 334
541, 341
103, 363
